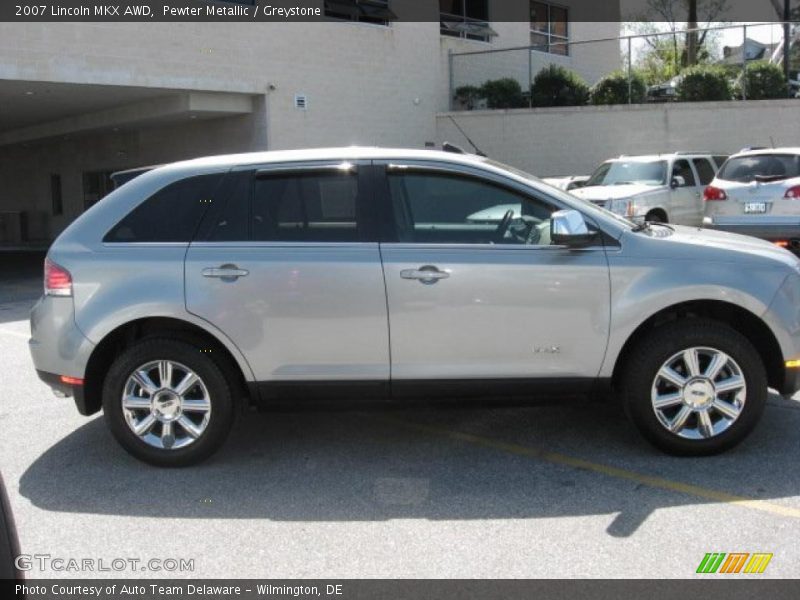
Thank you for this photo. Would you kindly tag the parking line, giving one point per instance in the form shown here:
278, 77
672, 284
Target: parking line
586, 465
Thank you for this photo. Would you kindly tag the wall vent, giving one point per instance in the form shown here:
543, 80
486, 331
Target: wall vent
300, 101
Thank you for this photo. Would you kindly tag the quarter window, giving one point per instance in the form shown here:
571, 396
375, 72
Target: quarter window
452, 209
549, 28
705, 172
170, 215
312, 207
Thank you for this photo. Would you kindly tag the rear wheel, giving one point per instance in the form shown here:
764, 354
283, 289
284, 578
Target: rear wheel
656, 216
167, 403
694, 387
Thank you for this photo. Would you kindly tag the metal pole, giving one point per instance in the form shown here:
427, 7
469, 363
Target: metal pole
630, 74
530, 78
744, 62
787, 38
451, 101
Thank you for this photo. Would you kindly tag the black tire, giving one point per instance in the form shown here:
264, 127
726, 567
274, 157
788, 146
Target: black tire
220, 396
648, 356
655, 216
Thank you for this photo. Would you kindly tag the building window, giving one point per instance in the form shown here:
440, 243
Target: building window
96, 184
468, 19
55, 195
363, 11
550, 28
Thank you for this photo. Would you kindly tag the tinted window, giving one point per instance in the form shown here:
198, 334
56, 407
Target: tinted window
449, 209
681, 168
720, 160
170, 215
746, 168
227, 220
313, 207
704, 170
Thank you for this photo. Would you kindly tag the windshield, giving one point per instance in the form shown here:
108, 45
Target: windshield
746, 168
586, 206
620, 172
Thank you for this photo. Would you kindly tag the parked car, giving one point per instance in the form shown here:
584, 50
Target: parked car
568, 183
757, 192
660, 188
202, 287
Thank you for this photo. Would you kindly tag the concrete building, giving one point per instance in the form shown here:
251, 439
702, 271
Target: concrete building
81, 100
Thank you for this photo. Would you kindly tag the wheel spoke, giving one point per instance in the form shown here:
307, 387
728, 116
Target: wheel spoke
672, 376
680, 419
718, 361
705, 425
144, 426
663, 401
726, 408
165, 373
189, 427
186, 383
202, 405
136, 403
691, 362
144, 381
730, 384
167, 434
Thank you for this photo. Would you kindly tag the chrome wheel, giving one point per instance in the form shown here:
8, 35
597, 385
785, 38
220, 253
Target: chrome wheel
698, 393
166, 404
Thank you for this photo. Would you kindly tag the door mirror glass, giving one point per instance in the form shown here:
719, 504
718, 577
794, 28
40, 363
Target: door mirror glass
569, 228
678, 181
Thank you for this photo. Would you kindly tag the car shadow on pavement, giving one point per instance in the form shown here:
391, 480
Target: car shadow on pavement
412, 464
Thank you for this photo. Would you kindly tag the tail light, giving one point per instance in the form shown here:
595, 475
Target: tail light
57, 280
793, 193
714, 193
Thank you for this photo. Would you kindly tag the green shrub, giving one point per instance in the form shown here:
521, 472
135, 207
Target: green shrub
556, 86
468, 96
763, 81
503, 93
704, 83
613, 89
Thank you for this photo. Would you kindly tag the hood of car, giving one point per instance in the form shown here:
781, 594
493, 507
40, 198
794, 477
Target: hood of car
708, 244
614, 192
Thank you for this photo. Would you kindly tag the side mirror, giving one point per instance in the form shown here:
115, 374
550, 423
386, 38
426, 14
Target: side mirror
568, 228
677, 181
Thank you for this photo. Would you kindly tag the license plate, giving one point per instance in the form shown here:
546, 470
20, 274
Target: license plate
755, 207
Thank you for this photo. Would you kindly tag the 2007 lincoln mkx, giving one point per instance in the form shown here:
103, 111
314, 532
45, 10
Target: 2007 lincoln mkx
202, 287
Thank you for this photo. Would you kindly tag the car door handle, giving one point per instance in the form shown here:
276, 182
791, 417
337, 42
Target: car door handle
427, 274
225, 272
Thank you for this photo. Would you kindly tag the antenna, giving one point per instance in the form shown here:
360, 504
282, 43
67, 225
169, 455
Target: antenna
466, 137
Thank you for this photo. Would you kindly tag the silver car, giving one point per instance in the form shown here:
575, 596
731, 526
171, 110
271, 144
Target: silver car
757, 192
201, 288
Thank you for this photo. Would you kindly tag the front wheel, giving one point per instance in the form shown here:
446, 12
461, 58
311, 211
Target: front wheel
167, 403
694, 387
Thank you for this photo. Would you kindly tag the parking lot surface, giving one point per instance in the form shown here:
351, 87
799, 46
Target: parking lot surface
566, 489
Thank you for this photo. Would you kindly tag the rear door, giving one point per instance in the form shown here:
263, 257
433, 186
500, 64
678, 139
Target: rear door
289, 268
686, 199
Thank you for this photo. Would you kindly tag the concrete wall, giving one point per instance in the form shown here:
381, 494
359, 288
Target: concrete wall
574, 140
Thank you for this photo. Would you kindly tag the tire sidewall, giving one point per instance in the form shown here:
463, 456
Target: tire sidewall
663, 343
222, 409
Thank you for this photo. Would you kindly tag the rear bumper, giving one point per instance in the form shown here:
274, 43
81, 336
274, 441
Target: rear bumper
76, 392
766, 228
791, 382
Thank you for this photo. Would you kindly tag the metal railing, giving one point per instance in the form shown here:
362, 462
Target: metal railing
595, 58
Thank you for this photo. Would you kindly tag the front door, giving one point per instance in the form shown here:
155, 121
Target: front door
476, 291
686, 199
290, 271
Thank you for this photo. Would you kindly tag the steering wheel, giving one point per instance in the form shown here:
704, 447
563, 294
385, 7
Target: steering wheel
500, 232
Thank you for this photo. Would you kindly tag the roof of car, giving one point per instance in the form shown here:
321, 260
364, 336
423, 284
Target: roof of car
662, 156
785, 150
321, 154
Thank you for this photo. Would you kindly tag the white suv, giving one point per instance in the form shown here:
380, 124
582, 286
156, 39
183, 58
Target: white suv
661, 188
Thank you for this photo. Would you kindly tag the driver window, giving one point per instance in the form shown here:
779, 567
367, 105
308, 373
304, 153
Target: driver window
440, 208
681, 168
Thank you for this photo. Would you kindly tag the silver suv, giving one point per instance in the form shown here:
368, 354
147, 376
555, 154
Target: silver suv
660, 188
203, 287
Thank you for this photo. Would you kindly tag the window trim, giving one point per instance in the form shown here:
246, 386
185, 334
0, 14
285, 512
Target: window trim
560, 40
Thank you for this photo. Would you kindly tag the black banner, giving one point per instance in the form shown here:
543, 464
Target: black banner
411, 589
368, 10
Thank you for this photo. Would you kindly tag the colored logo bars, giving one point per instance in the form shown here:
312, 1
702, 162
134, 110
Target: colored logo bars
734, 562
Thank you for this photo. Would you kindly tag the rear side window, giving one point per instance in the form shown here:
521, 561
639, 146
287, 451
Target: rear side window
704, 170
170, 215
308, 207
746, 168
720, 160
681, 168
